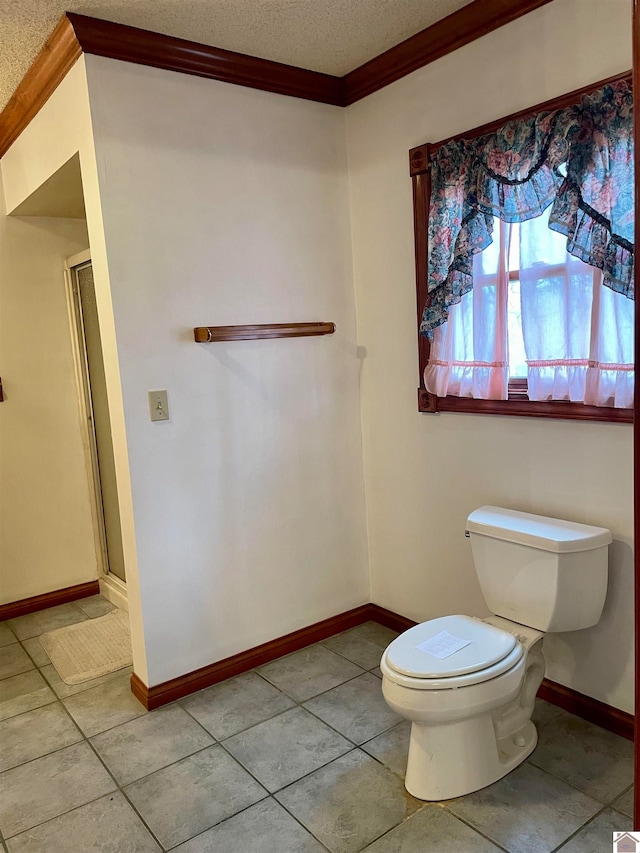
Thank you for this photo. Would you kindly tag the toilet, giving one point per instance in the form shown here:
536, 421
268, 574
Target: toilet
468, 685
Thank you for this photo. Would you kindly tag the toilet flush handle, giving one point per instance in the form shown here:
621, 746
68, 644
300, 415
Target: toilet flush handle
467, 534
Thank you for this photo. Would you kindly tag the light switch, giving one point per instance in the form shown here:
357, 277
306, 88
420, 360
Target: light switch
158, 406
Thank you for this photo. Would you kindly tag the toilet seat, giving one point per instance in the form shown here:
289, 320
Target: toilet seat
489, 653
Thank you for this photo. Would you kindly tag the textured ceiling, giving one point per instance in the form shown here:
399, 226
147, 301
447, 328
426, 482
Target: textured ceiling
334, 36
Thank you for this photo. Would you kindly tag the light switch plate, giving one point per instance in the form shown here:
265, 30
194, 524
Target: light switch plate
158, 406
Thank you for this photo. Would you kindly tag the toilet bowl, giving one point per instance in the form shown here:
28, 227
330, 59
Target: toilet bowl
470, 729
469, 685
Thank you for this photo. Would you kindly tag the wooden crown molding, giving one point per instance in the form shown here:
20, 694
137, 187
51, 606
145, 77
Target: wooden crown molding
467, 24
76, 34
117, 41
60, 52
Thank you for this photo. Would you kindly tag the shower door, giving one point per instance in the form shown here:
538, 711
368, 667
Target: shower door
98, 421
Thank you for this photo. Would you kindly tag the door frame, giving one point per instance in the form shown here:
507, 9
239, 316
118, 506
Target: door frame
111, 586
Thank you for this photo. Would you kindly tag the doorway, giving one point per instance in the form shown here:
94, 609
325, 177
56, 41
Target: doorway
97, 426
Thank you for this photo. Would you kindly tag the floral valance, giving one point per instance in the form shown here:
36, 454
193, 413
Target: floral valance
578, 159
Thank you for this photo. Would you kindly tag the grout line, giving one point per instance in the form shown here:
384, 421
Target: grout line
16, 674
566, 782
115, 781
126, 797
44, 754
300, 823
30, 656
219, 822
84, 738
62, 814
268, 795
89, 687
466, 822
578, 830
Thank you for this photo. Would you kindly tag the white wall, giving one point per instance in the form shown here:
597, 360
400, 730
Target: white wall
46, 534
224, 205
425, 473
59, 131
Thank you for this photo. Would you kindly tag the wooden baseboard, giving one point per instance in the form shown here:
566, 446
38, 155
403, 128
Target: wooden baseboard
606, 716
183, 685
390, 619
48, 599
612, 719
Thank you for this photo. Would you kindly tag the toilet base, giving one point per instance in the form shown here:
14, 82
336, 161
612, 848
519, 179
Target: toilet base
455, 759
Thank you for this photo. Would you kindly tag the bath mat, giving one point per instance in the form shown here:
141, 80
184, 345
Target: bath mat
90, 649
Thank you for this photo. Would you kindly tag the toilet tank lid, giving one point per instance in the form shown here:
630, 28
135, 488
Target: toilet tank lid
537, 531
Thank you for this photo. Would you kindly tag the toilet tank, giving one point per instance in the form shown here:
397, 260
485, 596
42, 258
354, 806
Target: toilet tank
542, 572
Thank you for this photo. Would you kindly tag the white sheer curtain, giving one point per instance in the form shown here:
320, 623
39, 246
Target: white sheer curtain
578, 334
468, 356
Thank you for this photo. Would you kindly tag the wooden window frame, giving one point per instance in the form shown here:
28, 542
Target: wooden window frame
518, 403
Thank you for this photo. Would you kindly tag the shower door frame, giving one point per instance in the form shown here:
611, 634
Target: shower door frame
111, 586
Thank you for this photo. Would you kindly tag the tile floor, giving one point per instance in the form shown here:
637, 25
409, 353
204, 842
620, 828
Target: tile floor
299, 756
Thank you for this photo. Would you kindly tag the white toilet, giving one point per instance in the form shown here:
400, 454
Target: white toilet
469, 685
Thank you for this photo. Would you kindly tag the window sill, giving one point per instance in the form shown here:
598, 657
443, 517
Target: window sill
520, 406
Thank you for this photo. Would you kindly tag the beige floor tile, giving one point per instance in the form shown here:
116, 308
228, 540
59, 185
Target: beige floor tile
108, 825
544, 712
24, 692
33, 648
356, 709
349, 803
65, 690
104, 707
597, 836
432, 829
392, 747
34, 624
363, 645
528, 811
144, 745
49, 786
14, 660
95, 605
309, 672
263, 828
237, 704
289, 746
624, 803
591, 759
6, 635
186, 798
34, 734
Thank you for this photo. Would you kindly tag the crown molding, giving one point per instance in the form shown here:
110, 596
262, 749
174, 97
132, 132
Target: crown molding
60, 52
130, 44
76, 34
466, 25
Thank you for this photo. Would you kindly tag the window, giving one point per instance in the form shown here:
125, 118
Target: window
537, 332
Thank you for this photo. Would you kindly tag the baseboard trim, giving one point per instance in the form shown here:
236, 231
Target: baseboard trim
607, 717
603, 715
48, 599
390, 619
183, 685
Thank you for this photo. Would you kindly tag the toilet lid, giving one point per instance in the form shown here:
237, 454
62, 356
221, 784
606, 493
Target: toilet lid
449, 646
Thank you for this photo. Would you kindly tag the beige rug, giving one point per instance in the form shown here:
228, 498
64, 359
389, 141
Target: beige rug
90, 649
